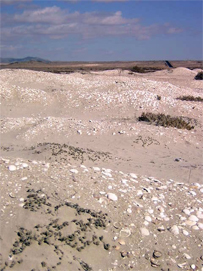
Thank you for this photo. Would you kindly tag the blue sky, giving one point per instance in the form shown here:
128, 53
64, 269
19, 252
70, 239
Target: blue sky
102, 30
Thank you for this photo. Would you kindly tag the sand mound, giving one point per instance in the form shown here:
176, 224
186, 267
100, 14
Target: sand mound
84, 180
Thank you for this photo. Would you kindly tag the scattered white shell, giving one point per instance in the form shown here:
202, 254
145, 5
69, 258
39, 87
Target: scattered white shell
125, 232
24, 179
74, 171
144, 231
186, 233
148, 218
186, 211
195, 227
200, 225
112, 196
199, 215
182, 265
161, 228
12, 168
193, 218
96, 168
129, 211
187, 256
133, 175
174, 229
124, 181
190, 223
161, 187
121, 242
107, 174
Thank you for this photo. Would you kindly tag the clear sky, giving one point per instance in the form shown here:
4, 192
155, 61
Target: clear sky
102, 30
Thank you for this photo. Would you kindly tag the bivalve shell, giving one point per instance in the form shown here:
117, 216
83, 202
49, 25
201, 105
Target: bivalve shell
175, 230
112, 196
193, 218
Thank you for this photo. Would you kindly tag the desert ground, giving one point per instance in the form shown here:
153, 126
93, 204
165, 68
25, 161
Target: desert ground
87, 184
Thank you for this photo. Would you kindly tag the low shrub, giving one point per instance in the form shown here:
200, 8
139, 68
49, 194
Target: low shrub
165, 120
137, 69
199, 76
190, 98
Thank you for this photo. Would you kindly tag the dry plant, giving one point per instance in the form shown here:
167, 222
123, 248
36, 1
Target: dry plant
199, 76
165, 120
190, 98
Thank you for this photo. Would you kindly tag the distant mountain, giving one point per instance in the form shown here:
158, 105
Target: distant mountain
26, 59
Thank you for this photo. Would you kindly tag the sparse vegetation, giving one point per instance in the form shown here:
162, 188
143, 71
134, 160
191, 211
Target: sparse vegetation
199, 76
165, 120
190, 98
137, 69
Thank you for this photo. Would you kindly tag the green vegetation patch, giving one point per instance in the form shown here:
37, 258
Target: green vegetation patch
165, 121
190, 98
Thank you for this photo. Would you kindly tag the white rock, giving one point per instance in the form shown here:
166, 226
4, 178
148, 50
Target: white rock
193, 266
193, 218
25, 165
12, 168
21, 199
112, 196
110, 187
79, 132
144, 231
74, 171
175, 230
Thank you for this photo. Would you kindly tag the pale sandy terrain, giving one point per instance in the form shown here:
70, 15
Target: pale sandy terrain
76, 139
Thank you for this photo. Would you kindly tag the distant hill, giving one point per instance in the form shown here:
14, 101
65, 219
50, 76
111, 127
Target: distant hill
26, 59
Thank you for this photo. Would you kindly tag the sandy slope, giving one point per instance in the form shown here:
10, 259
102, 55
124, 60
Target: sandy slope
76, 138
